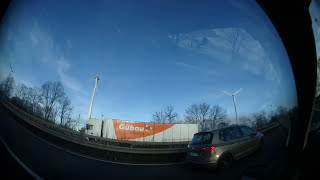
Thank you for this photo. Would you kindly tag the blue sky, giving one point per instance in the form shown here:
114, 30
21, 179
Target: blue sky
149, 55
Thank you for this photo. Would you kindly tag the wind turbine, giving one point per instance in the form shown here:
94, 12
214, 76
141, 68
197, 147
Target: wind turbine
11, 70
96, 78
234, 101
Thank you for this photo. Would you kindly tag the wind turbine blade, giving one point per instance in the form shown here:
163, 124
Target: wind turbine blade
238, 91
227, 93
97, 76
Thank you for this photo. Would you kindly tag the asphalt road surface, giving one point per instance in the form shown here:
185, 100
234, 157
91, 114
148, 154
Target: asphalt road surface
50, 162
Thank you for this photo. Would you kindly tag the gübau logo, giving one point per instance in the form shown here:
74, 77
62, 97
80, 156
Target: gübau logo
133, 128
148, 128
130, 128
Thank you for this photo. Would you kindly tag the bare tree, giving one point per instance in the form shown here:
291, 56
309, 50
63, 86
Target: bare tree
193, 114
206, 116
35, 98
235, 41
260, 119
168, 115
53, 114
64, 109
51, 93
217, 115
198, 114
223, 124
180, 121
245, 120
204, 110
171, 114
71, 123
21, 93
6, 87
28, 98
282, 114
159, 117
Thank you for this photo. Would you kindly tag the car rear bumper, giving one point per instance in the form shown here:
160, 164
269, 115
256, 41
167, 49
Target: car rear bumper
202, 163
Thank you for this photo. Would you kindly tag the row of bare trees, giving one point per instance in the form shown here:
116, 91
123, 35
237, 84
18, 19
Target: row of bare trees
203, 114
167, 115
259, 119
6, 86
49, 101
214, 116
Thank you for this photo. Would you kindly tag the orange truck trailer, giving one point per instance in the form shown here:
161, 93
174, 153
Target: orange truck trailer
141, 131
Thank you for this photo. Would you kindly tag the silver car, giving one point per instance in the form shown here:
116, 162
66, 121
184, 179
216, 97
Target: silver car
218, 148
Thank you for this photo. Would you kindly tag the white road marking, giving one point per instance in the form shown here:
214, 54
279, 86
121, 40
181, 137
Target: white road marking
32, 173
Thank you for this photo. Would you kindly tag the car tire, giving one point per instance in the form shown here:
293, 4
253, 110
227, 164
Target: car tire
225, 162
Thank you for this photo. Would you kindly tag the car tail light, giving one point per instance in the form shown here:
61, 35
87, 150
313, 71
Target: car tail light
207, 149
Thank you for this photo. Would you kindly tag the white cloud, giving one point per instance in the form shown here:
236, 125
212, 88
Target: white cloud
42, 43
49, 52
227, 45
22, 81
4, 70
271, 73
186, 65
69, 44
67, 80
246, 7
189, 66
38, 45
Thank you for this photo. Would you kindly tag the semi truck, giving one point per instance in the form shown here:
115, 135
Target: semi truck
140, 131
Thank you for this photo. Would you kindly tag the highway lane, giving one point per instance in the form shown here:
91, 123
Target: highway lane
10, 167
50, 162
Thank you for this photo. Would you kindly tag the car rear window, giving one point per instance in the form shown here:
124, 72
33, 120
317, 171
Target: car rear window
230, 134
202, 138
246, 131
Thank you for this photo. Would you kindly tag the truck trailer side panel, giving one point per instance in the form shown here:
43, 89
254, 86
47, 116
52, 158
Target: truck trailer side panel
148, 132
142, 131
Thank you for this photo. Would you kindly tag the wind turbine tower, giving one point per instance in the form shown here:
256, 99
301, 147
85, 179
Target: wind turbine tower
11, 70
234, 101
94, 92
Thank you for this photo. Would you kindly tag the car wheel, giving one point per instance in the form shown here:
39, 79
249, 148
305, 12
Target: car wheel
225, 162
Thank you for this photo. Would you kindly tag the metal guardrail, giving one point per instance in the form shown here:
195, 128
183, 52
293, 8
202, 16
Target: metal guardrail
98, 142
134, 147
267, 127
